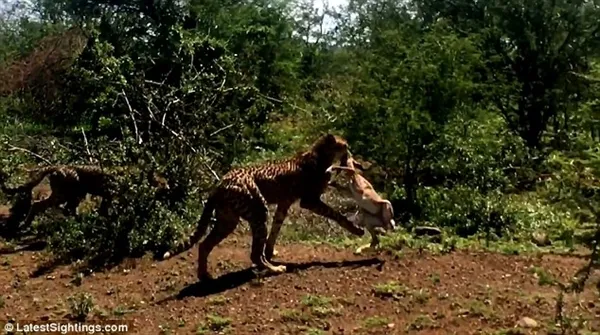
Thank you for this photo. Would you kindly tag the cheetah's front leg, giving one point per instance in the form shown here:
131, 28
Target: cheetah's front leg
278, 218
258, 225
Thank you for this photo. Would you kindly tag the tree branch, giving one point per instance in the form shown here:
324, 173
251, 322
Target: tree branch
138, 139
14, 148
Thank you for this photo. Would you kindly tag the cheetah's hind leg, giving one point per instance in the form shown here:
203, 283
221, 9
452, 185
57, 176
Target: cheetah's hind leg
225, 225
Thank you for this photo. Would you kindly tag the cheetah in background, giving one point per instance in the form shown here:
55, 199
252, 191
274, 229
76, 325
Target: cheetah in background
245, 193
69, 185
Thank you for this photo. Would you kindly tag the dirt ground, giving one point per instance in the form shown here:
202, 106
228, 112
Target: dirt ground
325, 291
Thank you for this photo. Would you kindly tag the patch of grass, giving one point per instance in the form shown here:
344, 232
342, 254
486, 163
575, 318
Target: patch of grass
80, 305
479, 310
217, 301
539, 299
310, 300
391, 289
213, 323
543, 276
507, 247
314, 331
402, 239
122, 310
421, 296
396, 291
422, 322
511, 249
375, 322
101, 313
320, 306
292, 315
435, 278
323, 311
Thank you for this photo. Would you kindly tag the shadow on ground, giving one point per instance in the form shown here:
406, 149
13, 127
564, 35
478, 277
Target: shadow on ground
33, 245
238, 278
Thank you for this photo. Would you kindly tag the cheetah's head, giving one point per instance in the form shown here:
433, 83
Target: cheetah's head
329, 148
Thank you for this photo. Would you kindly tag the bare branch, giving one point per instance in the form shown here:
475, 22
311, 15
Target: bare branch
87, 147
281, 102
14, 148
138, 139
221, 129
586, 77
181, 138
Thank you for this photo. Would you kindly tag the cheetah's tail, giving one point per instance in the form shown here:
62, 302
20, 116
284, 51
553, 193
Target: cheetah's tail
207, 212
37, 176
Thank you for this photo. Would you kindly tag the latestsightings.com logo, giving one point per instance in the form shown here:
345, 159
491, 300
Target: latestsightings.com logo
67, 327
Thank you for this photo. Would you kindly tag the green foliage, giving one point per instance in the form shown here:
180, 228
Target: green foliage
80, 304
407, 86
533, 49
214, 323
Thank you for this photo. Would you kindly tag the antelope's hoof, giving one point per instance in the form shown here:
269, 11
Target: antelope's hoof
279, 269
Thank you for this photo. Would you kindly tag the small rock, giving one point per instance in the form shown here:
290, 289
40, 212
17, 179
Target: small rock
527, 322
391, 325
427, 230
540, 239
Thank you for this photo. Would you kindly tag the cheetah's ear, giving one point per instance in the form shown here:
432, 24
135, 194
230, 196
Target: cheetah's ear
329, 138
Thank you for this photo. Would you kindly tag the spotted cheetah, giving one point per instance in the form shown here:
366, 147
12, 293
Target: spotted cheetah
69, 184
245, 193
